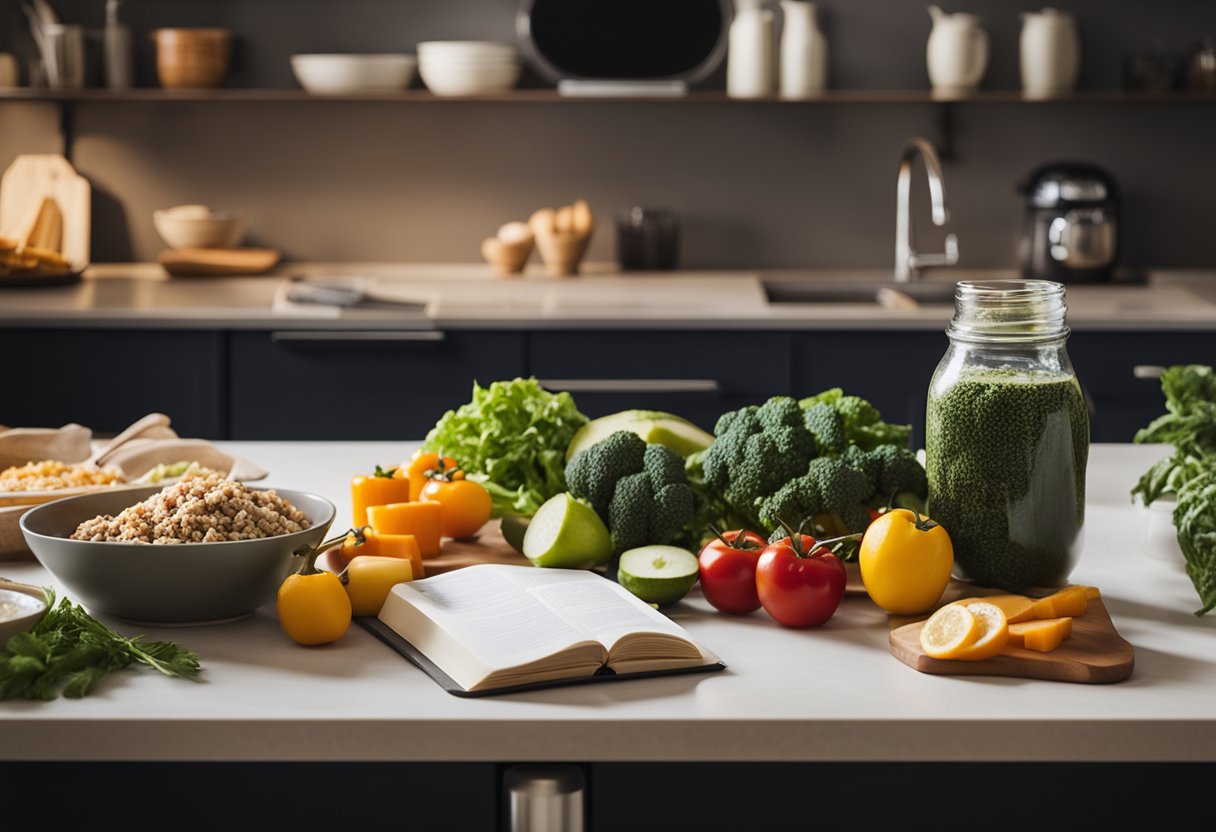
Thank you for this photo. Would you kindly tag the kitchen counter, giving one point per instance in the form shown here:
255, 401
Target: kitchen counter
458, 296
829, 694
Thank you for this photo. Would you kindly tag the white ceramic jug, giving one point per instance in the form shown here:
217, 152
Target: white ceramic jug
751, 67
804, 51
957, 53
1049, 53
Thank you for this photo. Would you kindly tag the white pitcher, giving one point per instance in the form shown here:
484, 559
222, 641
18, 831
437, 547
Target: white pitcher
804, 51
751, 64
957, 52
1049, 53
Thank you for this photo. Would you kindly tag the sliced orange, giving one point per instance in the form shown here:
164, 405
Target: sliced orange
994, 633
949, 631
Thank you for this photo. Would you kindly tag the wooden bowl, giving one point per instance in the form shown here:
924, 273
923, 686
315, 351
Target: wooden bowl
192, 58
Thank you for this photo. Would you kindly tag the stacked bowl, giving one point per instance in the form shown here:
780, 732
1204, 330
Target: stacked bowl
468, 67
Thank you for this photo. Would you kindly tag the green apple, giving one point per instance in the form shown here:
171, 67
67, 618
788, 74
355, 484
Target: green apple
566, 532
658, 574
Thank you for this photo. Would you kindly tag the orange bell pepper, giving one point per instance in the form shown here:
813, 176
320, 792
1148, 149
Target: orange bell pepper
420, 464
420, 519
402, 546
377, 489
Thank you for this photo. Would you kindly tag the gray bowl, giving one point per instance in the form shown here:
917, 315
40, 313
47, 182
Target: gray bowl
190, 583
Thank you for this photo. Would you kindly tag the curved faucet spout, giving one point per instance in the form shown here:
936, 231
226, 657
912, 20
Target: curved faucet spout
907, 261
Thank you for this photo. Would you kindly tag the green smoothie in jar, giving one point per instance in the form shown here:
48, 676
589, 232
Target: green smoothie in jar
1007, 438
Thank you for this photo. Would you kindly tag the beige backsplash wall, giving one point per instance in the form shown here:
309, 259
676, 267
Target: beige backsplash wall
754, 184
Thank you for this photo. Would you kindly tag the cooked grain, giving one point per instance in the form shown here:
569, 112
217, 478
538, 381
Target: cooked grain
201, 509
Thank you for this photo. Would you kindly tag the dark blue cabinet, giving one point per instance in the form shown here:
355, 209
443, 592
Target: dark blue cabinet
105, 379
358, 385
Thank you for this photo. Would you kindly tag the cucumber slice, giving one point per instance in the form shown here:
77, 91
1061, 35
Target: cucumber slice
658, 574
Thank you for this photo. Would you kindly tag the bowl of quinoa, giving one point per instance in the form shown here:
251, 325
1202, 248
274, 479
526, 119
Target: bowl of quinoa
203, 549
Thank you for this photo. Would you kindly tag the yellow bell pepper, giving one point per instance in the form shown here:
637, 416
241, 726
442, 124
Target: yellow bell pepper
368, 541
421, 519
312, 603
368, 579
376, 489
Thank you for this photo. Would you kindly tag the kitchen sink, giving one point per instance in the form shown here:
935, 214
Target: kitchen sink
876, 292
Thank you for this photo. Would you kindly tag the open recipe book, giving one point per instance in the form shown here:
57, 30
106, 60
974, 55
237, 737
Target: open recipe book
492, 628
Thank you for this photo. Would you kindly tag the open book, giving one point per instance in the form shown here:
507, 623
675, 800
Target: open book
491, 627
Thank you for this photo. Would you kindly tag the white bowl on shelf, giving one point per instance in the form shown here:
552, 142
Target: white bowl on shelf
468, 67
197, 226
467, 50
347, 74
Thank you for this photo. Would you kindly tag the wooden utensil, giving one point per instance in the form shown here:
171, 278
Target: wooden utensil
1095, 653
215, 262
43, 200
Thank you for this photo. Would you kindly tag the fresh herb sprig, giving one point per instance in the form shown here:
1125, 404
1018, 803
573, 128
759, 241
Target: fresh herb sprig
69, 651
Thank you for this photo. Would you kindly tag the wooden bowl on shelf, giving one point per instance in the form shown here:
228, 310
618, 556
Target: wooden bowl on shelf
193, 57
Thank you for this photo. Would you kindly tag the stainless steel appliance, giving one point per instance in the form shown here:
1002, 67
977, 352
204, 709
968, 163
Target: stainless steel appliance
1070, 230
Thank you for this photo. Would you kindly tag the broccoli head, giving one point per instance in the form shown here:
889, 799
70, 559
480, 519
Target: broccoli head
756, 451
862, 423
829, 486
640, 491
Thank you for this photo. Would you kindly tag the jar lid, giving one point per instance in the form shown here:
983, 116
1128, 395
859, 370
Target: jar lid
1008, 312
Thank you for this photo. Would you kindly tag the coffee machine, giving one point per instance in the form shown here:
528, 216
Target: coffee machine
1070, 228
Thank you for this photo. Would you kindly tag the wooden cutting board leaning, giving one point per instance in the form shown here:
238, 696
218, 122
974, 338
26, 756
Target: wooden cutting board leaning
45, 221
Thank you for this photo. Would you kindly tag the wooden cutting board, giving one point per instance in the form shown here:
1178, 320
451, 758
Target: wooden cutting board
29, 180
217, 262
487, 547
1095, 654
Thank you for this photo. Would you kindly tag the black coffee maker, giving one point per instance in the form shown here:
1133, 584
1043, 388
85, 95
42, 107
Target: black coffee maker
1070, 231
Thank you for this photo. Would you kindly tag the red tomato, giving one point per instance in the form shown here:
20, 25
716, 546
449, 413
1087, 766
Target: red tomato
799, 586
728, 571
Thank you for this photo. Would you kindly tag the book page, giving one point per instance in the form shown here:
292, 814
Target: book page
637, 636
488, 614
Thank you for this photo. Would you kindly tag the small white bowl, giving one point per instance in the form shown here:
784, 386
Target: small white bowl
343, 74
21, 607
454, 78
186, 226
467, 49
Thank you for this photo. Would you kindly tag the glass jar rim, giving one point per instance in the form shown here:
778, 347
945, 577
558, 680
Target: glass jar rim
1009, 311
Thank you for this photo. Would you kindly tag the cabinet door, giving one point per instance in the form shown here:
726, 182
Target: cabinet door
697, 375
1116, 370
359, 385
891, 370
105, 379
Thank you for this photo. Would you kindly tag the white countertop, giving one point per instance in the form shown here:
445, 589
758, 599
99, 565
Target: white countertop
469, 296
832, 693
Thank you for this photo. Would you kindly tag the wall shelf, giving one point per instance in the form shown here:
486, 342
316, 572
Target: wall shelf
550, 96
68, 100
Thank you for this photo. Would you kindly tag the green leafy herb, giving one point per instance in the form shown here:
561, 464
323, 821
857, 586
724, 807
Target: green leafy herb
1189, 424
511, 437
68, 652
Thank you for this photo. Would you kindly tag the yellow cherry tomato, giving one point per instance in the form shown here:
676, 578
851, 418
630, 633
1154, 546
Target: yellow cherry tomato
466, 505
368, 579
312, 603
905, 561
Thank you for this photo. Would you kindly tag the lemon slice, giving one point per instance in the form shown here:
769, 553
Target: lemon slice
993, 636
948, 631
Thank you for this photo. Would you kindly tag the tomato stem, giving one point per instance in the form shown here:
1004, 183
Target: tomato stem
741, 541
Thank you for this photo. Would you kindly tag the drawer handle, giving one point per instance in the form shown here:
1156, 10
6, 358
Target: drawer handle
1147, 371
633, 385
338, 339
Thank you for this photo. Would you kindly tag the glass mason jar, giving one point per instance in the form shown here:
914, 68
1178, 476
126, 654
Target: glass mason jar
1007, 437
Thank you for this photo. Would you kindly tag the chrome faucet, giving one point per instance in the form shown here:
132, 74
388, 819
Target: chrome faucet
908, 262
